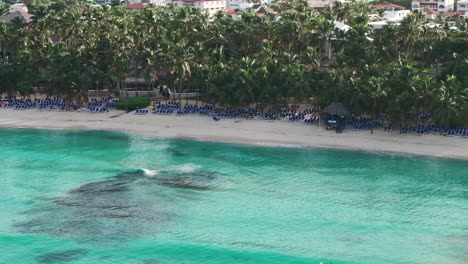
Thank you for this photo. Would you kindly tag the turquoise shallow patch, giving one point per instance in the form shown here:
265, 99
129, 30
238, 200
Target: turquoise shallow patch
107, 197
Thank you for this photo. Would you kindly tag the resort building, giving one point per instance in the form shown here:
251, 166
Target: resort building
16, 11
462, 6
152, 2
211, 6
320, 5
393, 12
239, 4
441, 6
430, 14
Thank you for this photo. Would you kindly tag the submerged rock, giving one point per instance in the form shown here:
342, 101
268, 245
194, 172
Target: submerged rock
62, 256
119, 206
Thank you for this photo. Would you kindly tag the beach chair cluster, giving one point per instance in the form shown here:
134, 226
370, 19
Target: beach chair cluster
207, 109
363, 123
228, 112
194, 109
56, 103
97, 105
59, 106
7, 100
141, 112
421, 130
19, 104
311, 121
16, 104
5, 104
166, 109
243, 111
24, 106
291, 114
111, 103
101, 105
298, 116
462, 132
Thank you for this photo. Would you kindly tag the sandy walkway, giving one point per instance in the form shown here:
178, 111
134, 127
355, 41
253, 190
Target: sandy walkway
259, 132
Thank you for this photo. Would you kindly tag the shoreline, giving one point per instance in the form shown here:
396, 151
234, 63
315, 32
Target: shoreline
249, 132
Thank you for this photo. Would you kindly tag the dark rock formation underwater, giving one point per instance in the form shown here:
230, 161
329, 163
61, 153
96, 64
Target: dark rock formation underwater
129, 204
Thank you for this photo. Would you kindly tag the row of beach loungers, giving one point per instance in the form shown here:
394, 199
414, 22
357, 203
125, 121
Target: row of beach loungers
57, 103
243, 111
290, 113
308, 116
421, 130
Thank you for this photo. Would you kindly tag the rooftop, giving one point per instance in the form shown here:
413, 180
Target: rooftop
452, 13
136, 6
389, 6
230, 11
428, 11
8, 18
195, 0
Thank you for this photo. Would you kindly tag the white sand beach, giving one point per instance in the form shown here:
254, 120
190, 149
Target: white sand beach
256, 132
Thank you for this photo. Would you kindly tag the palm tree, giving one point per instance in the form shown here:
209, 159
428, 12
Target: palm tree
377, 92
4, 36
424, 88
325, 30
449, 100
412, 31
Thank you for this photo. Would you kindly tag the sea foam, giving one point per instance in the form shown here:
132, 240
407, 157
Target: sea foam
150, 173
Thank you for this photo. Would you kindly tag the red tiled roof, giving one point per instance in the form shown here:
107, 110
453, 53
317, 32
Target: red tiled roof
136, 6
195, 0
459, 13
230, 11
388, 6
429, 11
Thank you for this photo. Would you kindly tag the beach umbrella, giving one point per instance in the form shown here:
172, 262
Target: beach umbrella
336, 108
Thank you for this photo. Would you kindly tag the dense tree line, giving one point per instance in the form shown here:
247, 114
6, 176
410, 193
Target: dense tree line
290, 53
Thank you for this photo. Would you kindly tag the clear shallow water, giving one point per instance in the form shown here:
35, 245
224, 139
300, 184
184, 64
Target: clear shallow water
82, 197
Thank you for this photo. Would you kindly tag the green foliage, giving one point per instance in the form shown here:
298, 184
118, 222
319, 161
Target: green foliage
9, 2
133, 103
69, 49
4, 7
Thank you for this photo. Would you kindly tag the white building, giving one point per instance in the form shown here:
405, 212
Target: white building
393, 12
236, 4
211, 6
245, 4
436, 5
153, 2
463, 6
319, 5
20, 7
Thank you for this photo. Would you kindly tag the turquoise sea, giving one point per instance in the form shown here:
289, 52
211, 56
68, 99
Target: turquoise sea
107, 197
